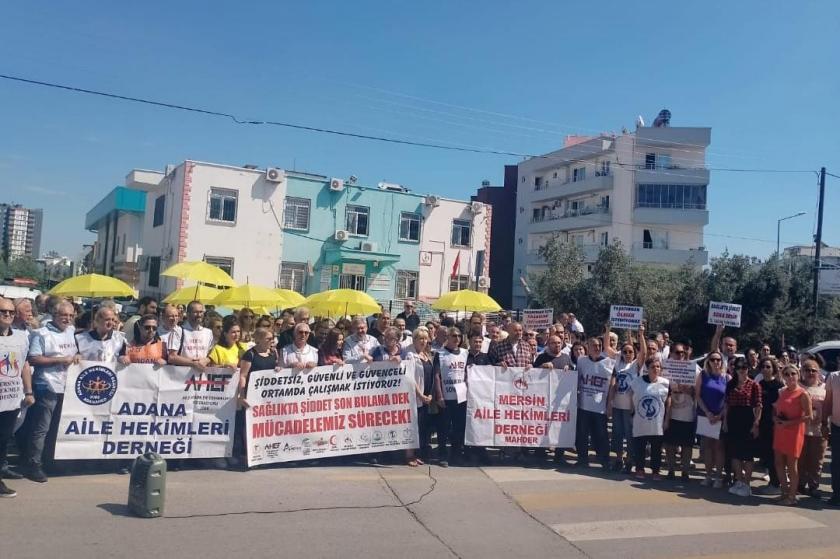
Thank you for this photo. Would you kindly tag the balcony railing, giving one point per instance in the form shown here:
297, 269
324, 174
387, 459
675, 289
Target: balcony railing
557, 214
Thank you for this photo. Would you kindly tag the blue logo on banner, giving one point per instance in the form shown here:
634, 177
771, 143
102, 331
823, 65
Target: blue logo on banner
96, 385
649, 407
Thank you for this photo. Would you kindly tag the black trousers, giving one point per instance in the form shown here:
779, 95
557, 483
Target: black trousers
453, 427
7, 427
655, 443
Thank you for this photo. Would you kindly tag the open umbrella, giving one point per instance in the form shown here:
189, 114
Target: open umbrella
93, 285
466, 300
187, 295
293, 298
249, 296
201, 272
341, 301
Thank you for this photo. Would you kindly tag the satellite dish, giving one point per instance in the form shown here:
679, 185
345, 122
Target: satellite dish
640, 122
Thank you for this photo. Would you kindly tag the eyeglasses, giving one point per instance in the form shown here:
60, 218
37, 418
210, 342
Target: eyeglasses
678, 353
715, 359
7, 312
149, 327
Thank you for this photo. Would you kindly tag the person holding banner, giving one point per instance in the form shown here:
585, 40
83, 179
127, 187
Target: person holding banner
148, 347
103, 342
299, 354
450, 367
15, 386
594, 374
359, 345
195, 343
651, 413
710, 389
229, 349
390, 350
330, 351
680, 433
168, 329
626, 371
262, 356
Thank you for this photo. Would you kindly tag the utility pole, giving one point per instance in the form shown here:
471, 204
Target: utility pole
818, 240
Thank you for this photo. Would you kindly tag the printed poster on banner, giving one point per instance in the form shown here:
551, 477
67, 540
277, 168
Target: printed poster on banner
122, 411
622, 316
517, 407
725, 313
12, 360
330, 411
680, 372
537, 319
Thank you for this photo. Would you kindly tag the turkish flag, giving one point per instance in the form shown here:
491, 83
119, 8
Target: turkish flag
456, 267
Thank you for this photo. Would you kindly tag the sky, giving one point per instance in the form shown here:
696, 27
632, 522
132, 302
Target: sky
509, 76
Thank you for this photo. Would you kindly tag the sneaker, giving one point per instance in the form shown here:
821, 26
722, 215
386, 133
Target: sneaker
717, 484
744, 491
6, 492
7, 473
36, 474
443, 463
735, 489
768, 490
766, 477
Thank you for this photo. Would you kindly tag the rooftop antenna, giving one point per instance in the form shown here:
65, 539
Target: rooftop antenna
640, 122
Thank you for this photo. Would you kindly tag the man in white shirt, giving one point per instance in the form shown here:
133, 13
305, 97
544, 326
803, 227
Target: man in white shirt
359, 345
196, 341
299, 354
168, 330
405, 336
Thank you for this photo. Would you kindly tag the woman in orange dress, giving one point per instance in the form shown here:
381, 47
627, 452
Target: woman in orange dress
790, 413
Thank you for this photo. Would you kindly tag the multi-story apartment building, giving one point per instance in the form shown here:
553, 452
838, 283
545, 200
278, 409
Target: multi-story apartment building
296, 230
117, 221
646, 189
20, 231
502, 200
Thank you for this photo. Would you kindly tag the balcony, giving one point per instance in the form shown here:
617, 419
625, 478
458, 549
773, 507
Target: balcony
555, 189
670, 216
671, 174
645, 253
686, 137
571, 219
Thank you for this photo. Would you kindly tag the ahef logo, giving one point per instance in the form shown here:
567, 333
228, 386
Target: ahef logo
207, 382
521, 381
649, 408
96, 385
9, 365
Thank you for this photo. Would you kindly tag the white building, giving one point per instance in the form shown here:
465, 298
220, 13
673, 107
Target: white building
20, 231
225, 215
646, 189
454, 247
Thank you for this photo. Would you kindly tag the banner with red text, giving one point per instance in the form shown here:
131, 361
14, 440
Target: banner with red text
330, 411
517, 407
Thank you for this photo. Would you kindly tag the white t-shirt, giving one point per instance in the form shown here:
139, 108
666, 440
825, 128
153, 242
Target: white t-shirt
50, 342
91, 348
13, 351
452, 371
594, 383
195, 343
294, 356
172, 338
649, 405
624, 375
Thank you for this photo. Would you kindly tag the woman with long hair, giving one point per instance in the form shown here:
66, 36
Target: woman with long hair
247, 324
229, 349
790, 414
710, 388
330, 352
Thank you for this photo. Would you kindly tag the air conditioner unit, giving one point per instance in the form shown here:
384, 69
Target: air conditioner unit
368, 246
484, 282
342, 235
274, 175
476, 207
432, 201
143, 263
336, 185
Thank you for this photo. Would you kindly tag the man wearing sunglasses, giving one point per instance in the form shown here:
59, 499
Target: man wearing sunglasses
15, 386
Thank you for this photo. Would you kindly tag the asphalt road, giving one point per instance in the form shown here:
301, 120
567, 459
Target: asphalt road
396, 511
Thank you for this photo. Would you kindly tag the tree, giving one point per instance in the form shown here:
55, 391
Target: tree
557, 287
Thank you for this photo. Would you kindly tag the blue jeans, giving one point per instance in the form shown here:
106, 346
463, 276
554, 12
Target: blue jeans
45, 414
592, 424
622, 432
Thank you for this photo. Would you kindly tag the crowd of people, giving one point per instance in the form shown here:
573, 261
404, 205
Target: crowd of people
778, 413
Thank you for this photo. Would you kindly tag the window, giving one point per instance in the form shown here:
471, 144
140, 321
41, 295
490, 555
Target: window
676, 196
461, 233
605, 202
406, 287
605, 169
123, 243
154, 271
222, 262
579, 174
459, 282
296, 214
605, 239
160, 203
357, 220
650, 161
409, 227
538, 183
537, 216
652, 238
293, 276
352, 281
222, 205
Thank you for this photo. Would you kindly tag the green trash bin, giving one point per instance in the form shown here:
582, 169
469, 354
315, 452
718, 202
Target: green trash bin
147, 487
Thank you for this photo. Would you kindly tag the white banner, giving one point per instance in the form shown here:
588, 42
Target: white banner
537, 319
725, 313
680, 372
330, 411
123, 411
622, 316
12, 360
830, 281
515, 407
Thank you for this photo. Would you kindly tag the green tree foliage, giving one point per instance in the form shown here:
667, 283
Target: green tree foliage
775, 294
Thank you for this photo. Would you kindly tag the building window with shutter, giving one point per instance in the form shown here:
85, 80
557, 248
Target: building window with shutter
293, 276
406, 287
222, 262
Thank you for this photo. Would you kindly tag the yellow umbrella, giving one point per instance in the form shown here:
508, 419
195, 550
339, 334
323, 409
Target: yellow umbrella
259, 311
341, 301
93, 285
293, 298
466, 300
200, 271
248, 296
187, 295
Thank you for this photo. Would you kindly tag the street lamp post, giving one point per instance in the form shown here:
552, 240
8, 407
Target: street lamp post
779, 230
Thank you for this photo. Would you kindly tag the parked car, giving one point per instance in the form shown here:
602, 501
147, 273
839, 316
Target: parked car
829, 351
